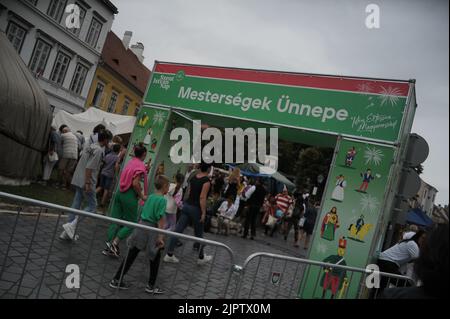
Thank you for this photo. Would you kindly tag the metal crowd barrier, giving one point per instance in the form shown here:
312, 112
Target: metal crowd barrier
272, 276
34, 261
33, 264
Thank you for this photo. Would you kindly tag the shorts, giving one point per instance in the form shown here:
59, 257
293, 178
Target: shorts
106, 182
145, 239
67, 164
308, 228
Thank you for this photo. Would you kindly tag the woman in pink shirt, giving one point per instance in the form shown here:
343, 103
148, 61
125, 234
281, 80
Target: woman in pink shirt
126, 200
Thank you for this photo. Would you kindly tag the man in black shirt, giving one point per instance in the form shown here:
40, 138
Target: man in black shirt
255, 199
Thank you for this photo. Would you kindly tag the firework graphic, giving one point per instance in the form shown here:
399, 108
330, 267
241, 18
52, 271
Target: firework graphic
373, 156
365, 88
368, 203
389, 95
159, 118
322, 248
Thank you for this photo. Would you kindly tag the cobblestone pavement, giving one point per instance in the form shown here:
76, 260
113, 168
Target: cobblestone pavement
33, 262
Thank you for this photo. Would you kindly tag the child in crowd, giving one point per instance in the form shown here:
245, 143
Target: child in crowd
227, 211
174, 201
108, 173
153, 214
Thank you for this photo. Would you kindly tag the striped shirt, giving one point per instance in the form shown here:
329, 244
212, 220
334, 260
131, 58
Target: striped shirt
283, 202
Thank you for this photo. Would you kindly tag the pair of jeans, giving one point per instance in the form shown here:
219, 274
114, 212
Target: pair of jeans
171, 221
80, 196
133, 252
189, 213
250, 220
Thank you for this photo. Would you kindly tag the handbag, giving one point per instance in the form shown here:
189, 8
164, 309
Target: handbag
53, 158
302, 221
271, 221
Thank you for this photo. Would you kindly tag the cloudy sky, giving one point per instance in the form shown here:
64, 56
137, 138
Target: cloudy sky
321, 36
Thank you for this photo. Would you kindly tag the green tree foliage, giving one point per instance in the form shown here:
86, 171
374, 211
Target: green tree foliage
312, 162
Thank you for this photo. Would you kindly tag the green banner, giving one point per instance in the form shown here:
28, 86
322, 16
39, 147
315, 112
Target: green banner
357, 114
346, 223
149, 129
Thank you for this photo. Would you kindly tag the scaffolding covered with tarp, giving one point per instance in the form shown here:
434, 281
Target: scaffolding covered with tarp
25, 118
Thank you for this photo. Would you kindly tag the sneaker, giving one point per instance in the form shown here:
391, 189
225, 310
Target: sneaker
108, 253
154, 290
114, 248
64, 236
206, 259
119, 285
70, 229
171, 259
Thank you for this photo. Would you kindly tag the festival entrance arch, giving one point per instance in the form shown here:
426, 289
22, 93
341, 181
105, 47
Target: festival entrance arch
366, 120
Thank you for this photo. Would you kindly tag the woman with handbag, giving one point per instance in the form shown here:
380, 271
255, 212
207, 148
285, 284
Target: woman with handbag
269, 220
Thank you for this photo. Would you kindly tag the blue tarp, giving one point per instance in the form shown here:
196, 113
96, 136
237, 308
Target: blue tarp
418, 217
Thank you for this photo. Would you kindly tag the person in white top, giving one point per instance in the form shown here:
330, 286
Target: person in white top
413, 229
69, 158
227, 211
174, 201
392, 259
408, 269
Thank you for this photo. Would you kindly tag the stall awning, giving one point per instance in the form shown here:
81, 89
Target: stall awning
86, 121
418, 217
252, 169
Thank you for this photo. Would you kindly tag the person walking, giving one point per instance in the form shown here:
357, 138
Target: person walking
108, 173
127, 199
51, 158
81, 141
174, 199
270, 208
284, 202
294, 218
59, 152
70, 156
93, 138
309, 221
254, 199
84, 180
153, 215
194, 210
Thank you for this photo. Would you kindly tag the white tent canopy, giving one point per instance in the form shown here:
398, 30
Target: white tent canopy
86, 121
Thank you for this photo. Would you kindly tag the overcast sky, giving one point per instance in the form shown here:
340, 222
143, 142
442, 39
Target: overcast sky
320, 36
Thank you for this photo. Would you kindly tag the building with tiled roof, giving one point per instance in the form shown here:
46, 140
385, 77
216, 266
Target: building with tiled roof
121, 77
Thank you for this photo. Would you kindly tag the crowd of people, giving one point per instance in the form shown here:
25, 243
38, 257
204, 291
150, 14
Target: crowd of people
65, 150
200, 196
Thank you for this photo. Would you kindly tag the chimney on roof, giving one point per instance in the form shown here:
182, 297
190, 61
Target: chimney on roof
127, 39
138, 50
